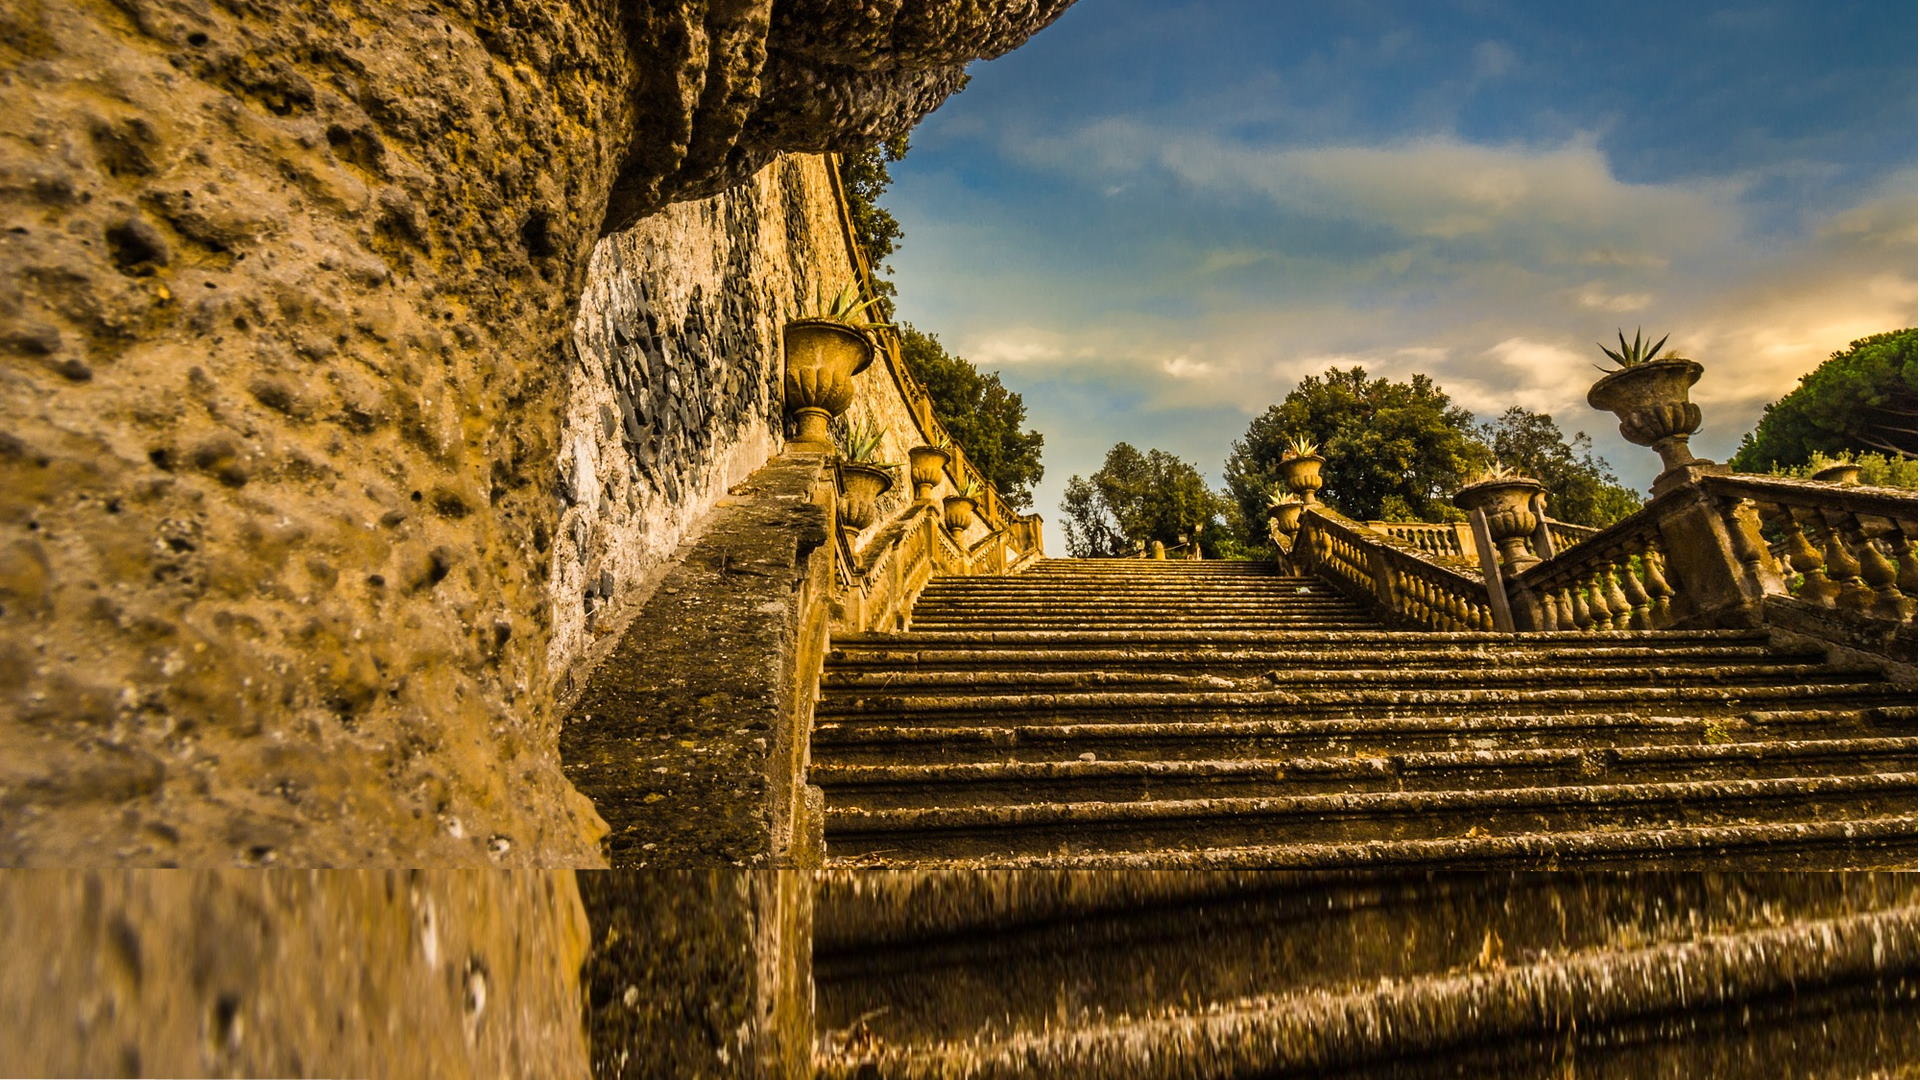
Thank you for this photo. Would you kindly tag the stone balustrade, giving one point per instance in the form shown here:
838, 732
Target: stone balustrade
1410, 585
1837, 547
1445, 540
1613, 579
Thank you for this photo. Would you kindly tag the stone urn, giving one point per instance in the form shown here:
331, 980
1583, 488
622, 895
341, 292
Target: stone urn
1507, 503
823, 356
1301, 474
1286, 515
959, 511
1651, 401
861, 486
926, 465
1839, 473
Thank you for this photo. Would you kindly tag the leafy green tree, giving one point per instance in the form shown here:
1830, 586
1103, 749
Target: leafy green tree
1877, 470
1581, 488
980, 413
864, 176
1138, 498
1395, 451
1861, 399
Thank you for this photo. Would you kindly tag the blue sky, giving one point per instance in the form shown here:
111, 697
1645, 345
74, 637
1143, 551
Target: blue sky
1155, 217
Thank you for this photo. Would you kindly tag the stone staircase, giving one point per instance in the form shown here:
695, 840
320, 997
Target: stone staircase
1141, 974
1130, 713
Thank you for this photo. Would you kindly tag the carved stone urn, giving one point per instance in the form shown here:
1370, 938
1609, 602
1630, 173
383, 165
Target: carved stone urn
1301, 474
926, 464
959, 511
861, 486
1651, 401
1286, 515
823, 356
1508, 505
1839, 473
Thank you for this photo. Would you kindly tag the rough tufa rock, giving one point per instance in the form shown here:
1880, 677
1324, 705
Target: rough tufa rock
285, 298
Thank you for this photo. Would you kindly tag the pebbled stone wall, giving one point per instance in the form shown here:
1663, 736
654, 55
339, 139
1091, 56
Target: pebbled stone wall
287, 294
675, 393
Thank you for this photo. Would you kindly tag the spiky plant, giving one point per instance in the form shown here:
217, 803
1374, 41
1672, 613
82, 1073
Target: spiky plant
847, 308
1300, 446
1496, 472
1632, 354
862, 442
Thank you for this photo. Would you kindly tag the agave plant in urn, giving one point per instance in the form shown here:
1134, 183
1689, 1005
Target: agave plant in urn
862, 479
1300, 469
959, 508
925, 464
825, 350
1648, 392
1507, 499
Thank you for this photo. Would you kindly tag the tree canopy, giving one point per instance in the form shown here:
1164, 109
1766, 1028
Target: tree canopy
1138, 498
984, 417
1395, 451
1859, 400
1581, 488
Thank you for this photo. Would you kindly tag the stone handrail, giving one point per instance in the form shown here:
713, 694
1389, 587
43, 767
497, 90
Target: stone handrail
1844, 550
1833, 562
1408, 585
1611, 579
1444, 539
1565, 534
960, 472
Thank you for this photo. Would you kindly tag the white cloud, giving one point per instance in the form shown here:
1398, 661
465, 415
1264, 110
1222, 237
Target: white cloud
1596, 297
1186, 367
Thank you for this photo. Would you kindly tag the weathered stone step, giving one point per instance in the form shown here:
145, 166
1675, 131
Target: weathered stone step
886, 786
1168, 605
998, 968
1578, 995
1221, 705
842, 683
1881, 843
1154, 658
882, 743
1072, 639
990, 832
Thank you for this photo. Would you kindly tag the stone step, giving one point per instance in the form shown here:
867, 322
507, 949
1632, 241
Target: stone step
1052, 829
837, 683
842, 657
1226, 705
1878, 843
984, 783
1779, 973
1093, 639
1077, 604
994, 965
1377, 736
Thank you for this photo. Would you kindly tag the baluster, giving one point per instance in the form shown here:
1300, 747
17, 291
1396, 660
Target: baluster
1540, 607
1843, 569
1617, 603
1879, 574
1562, 602
1805, 558
1660, 613
1582, 615
1597, 601
1903, 544
1747, 545
1635, 593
